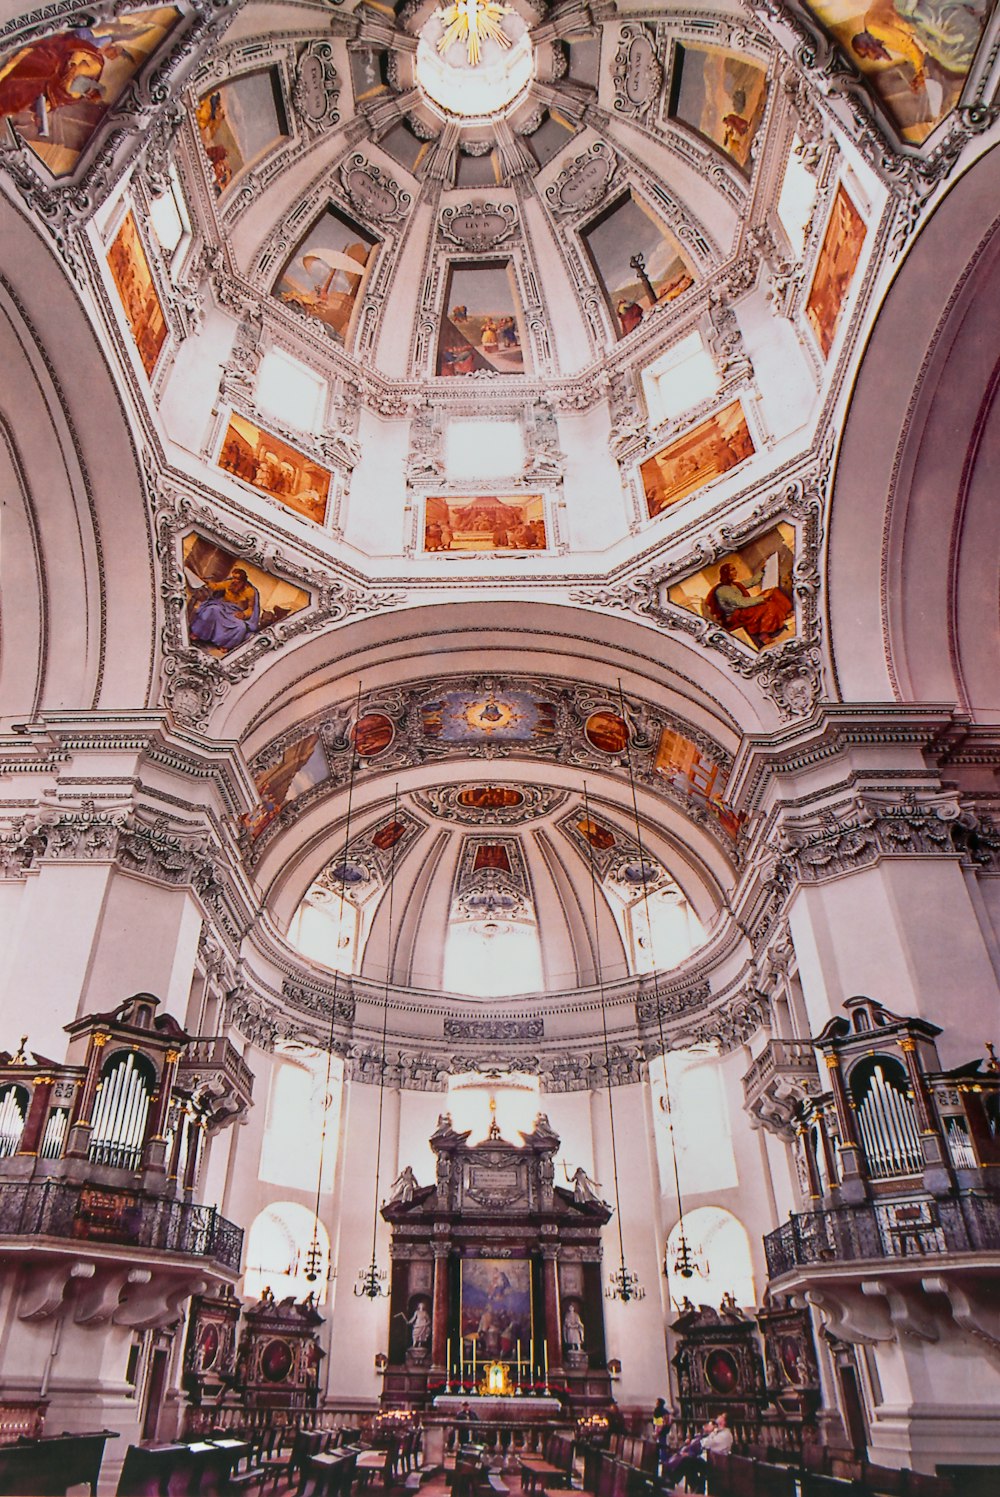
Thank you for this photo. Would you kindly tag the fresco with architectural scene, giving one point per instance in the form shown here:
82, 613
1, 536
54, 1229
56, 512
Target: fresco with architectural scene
496, 1306
229, 600
721, 96
915, 54
57, 91
701, 454
302, 765
835, 267
481, 324
636, 261
485, 522
748, 592
327, 271
688, 769
239, 122
258, 457
134, 283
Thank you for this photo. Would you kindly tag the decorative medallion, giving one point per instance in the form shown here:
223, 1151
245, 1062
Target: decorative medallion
317, 87
637, 72
479, 226
490, 805
584, 182
375, 195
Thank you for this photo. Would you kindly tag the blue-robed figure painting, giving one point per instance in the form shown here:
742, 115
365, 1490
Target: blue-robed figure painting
226, 613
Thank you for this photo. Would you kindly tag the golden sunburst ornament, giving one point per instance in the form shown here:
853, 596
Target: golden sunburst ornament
473, 21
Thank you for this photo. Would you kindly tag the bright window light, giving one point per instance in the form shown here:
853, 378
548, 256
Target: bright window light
278, 1245
492, 959
329, 933
796, 199
722, 1264
288, 390
664, 933
698, 1113
682, 378
166, 214
483, 449
516, 1098
294, 1135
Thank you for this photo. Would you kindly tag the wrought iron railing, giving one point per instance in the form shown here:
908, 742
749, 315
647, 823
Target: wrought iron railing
90, 1213
911, 1228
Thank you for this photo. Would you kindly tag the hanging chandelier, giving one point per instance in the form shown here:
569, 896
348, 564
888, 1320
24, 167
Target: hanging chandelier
684, 1258
371, 1280
623, 1284
313, 1261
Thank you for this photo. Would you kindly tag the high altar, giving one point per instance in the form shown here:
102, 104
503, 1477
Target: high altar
496, 1288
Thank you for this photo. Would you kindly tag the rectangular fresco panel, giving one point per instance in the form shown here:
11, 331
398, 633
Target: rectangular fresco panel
636, 261
835, 267
721, 96
491, 717
716, 445
325, 275
481, 326
57, 91
228, 600
134, 282
301, 766
496, 1306
915, 54
748, 592
692, 772
263, 460
239, 122
485, 523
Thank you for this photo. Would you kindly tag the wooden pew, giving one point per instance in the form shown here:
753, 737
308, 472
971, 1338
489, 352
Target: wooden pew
47, 1466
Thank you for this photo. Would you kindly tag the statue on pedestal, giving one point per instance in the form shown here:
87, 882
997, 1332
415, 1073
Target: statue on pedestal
585, 1189
573, 1329
403, 1187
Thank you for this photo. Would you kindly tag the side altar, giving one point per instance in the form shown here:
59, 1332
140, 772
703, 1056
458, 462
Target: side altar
496, 1285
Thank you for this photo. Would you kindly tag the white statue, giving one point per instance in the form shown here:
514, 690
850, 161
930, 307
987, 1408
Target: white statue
585, 1189
420, 1325
573, 1329
404, 1186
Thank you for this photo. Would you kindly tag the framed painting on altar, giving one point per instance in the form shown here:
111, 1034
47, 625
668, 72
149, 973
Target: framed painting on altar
496, 1305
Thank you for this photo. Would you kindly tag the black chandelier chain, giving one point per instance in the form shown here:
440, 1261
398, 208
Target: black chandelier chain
623, 1284
314, 1256
371, 1280
683, 1258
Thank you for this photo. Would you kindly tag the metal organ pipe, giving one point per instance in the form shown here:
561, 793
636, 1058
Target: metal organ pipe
120, 1115
12, 1116
888, 1128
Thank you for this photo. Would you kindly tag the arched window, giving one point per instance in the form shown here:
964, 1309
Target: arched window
280, 1256
720, 1258
492, 958
13, 1111
120, 1110
295, 1138
886, 1116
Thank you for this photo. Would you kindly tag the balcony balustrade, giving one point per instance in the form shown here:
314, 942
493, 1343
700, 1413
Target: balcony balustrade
885, 1230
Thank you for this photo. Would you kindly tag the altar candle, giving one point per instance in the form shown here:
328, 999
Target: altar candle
531, 1356
519, 1361
461, 1358
448, 1359
473, 1360
545, 1354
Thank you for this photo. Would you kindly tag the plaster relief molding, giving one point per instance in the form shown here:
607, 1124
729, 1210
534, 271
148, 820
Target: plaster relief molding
45, 1284
193, 681
637, 72
584, 182
861, 831
316, 89
494, 1029
478, 227
974, 1311
536, 800
373, 192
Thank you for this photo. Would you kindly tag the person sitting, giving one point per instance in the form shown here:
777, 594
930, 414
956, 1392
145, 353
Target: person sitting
688, 1464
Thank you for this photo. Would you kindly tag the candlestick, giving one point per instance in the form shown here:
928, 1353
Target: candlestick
473, 1361
447, 1362
519, 1364
531, 1357
461, 1359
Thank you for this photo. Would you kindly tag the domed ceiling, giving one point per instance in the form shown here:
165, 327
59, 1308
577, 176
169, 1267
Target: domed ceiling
486, 360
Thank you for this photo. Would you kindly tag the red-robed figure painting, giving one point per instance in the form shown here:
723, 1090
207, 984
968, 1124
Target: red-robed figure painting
733, 605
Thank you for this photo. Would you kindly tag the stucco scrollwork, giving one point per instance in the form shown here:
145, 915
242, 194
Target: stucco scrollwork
636, 72
374, 193
478, 226
317, 88
585, 181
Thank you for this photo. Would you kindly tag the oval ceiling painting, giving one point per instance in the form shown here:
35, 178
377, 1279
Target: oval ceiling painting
490, 797
372, 734
606, 732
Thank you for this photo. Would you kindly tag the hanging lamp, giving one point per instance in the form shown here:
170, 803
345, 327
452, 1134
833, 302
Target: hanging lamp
684, 1263
623, 1284
371, 1280
314, 1255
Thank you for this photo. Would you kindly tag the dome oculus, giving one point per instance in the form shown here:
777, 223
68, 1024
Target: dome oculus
474, 58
